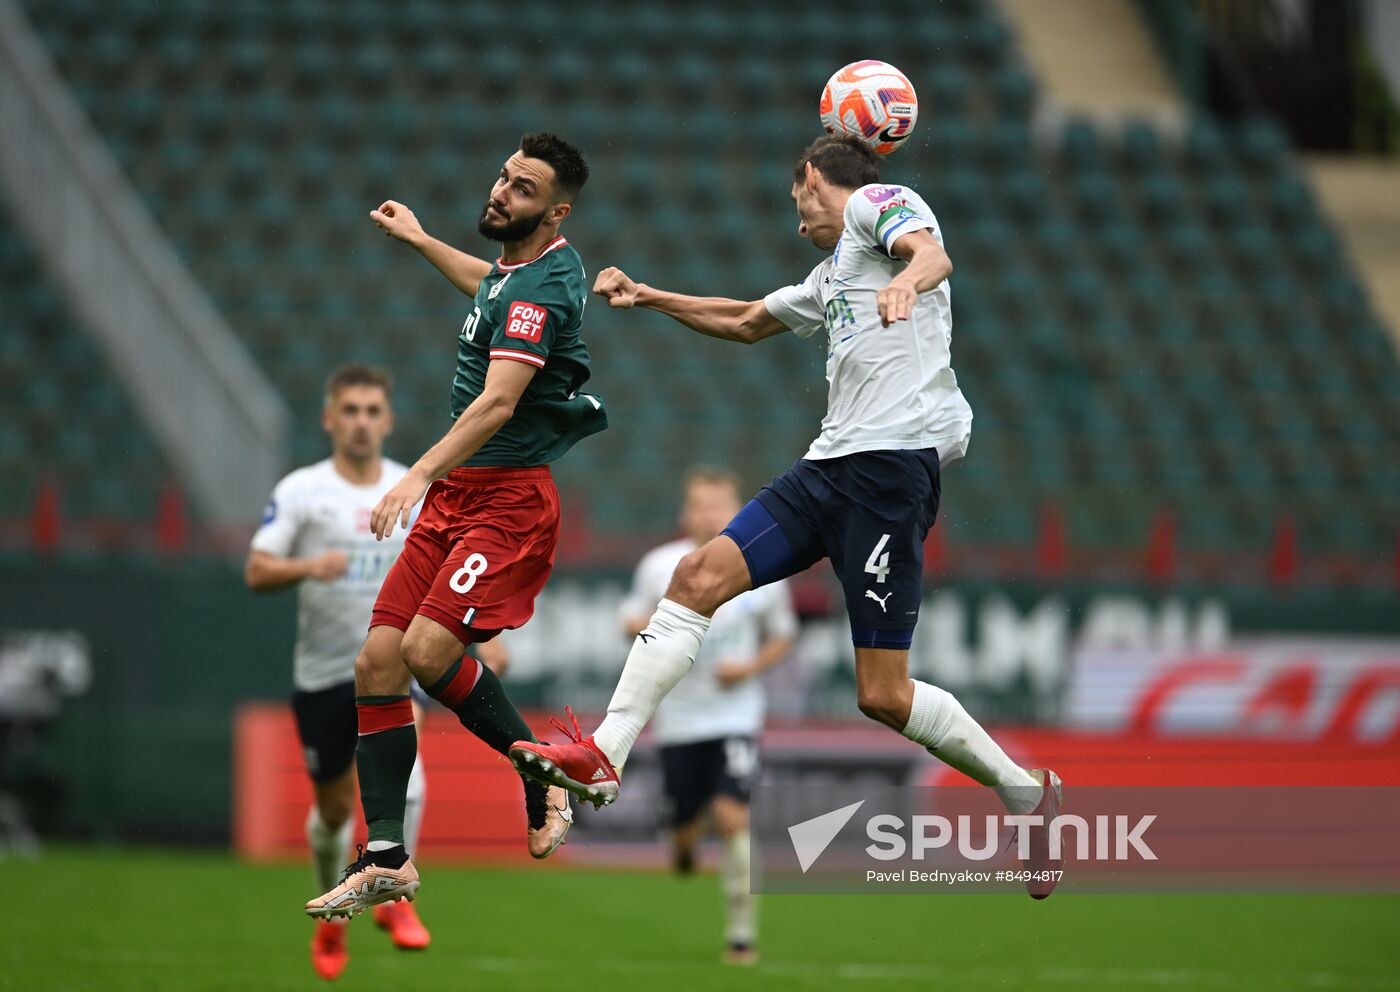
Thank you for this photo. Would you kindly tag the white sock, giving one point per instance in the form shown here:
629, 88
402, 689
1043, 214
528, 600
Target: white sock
939, 723
660, 656
413, 806
741, 925
375, 846
330, 849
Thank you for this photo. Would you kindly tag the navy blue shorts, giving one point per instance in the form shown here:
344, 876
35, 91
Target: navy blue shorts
869, 513
694, 774
328, 727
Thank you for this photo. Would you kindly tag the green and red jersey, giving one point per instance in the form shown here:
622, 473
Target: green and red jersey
531, 312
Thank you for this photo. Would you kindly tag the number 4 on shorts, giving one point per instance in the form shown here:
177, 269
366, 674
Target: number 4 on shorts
878, 564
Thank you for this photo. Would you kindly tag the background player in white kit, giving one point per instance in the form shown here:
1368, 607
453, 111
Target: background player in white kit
708, 727
315, 533
865, 494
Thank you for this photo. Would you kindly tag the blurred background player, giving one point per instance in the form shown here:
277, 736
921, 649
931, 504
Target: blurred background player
38, 673
484, 544
709, 725
315, 535
864, 495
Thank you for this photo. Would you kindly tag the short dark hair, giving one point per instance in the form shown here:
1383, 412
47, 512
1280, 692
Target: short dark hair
842, 159
359, 374
570, 169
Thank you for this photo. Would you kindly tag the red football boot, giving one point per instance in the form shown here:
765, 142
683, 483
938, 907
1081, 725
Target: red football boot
329, 955
405, 928
578, 766
1040, 862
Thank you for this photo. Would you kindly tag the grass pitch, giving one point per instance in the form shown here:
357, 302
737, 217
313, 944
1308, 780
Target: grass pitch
121, 920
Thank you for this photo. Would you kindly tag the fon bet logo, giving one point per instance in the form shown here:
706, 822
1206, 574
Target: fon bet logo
525, 321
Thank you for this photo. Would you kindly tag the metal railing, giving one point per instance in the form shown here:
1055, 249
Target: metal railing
220, 422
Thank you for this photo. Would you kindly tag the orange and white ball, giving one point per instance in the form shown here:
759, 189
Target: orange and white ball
873, 101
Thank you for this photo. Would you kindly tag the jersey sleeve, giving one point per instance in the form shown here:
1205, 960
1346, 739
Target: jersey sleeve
779, 618
799, 307
281, 521
532, 312
881, 215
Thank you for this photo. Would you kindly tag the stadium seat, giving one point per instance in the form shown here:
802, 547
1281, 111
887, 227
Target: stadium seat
1141, 294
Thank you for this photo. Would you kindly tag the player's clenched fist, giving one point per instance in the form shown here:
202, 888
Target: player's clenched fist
613, 285
895, 302
397, 221
397, 504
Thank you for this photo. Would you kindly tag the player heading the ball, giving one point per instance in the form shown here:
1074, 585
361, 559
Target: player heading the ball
865, 494
483, 545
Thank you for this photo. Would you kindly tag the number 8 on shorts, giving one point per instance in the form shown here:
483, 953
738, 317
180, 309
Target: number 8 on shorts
465, 577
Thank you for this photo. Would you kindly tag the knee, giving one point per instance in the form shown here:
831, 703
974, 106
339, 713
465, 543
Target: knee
365, 667
417, 652
696, 585
334, 811
884, 704
731, 819
335, 801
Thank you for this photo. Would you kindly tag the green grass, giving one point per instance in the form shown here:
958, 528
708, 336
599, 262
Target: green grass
128, 920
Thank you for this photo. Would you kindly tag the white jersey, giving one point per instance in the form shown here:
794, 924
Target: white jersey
313, 510
699, 708
888, 388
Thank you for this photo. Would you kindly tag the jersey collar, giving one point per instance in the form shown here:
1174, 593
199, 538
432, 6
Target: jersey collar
505, 266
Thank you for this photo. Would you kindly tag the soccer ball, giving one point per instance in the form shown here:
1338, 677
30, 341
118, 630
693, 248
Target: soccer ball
873, 101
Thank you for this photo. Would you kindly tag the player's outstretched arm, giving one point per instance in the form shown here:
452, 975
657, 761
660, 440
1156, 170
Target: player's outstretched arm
717, 317
264, 571
462, 270
505, 382
928, 266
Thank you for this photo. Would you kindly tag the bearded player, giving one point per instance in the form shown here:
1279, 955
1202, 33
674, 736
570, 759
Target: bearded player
483, 544
865, 494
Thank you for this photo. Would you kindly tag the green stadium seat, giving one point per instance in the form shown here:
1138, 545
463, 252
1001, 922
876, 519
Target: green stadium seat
1027, 197
1140, 147
1080, 146
248, 57
1015, 92
1091, 274
208, 115
1290, 202
1095, 196
947, 89
1227, 199
1121, 243
315, 64
1262, 144
1003, 146
1205, 149
109, 54
437, 61
1163, 198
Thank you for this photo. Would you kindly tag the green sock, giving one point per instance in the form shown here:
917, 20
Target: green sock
384, 757
485, 709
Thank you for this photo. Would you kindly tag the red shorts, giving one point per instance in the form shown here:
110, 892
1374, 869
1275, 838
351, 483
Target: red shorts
478, 555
